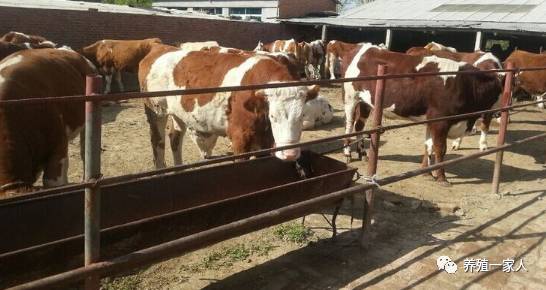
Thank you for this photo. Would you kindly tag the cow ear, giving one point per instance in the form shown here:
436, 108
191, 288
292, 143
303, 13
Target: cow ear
312, 92
257, 103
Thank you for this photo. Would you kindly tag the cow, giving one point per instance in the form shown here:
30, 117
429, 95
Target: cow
434, 46
429, 97
313, 54
481, 60
198, 45
531, 82
252, 119
335, 52
30, 41
286, 46
34, 137
317, 112
7, 48
117, 56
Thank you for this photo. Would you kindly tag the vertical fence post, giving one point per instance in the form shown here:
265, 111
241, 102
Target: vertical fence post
478, 43
388, 38
505, 101
93, 122
373, 155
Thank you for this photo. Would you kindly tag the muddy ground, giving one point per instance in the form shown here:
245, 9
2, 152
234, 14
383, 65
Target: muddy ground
416, 220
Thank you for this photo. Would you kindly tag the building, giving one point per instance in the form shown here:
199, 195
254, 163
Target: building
262, 10
464, 24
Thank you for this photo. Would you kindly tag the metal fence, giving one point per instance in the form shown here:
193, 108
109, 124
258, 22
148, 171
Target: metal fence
94, 268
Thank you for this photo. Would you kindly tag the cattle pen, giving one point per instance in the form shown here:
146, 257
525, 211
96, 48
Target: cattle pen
95, 268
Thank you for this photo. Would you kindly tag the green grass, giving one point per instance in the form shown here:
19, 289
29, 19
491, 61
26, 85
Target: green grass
293, 232
229, 255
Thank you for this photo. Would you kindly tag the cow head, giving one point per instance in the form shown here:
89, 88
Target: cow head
285, 112
260, 46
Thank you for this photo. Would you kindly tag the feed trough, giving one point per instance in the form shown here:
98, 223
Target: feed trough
44, 234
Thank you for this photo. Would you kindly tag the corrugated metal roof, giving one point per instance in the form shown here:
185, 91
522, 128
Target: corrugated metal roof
101, 7
497, 15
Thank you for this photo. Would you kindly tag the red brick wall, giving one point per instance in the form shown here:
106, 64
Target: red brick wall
298, 8
80, 28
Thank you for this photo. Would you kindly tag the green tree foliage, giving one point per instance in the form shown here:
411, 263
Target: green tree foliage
133, 3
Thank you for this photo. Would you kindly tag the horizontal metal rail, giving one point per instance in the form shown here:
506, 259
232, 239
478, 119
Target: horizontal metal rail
177, 247
141, 95
175, 169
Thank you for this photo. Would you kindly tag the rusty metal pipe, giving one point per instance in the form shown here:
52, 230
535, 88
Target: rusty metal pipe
501, 137
373, 155
141, 95
179, 246
93, 125
112, 180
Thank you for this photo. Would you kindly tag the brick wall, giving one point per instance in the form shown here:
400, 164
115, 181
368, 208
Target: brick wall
80, 28
299, 8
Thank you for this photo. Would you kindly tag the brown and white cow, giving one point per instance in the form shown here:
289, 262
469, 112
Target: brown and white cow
314, 55
419, 97
198, 45
286, 46
335, 52
434, 46
34, 137
251, 119
479, 59
531, 82
30, 41
117, 56
7, 48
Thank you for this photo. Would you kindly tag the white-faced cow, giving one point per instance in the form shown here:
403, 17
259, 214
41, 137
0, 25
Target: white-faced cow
34, 137
531, 82
335, 52
117, 56
30, 41
419, 97
251, 119
317, 112
481, 60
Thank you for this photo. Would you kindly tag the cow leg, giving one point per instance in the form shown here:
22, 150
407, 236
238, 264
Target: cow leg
332, 64
484, 128
427, 156
540, 98
119, 81
176, 135
362, 113
108, 88
439, 139
350, 106
157, 123
205, 143
56, 169
456, 144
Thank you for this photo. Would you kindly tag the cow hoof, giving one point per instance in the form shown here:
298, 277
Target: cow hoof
455, 147
483, 148
445, 183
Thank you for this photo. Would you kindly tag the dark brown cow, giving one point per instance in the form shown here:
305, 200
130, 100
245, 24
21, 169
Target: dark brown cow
335, 52
418, 98
251, 119
116, 56
481, 60
7, 48
30, 41
531, 82
34, 137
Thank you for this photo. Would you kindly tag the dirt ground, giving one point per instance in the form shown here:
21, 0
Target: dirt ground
416, 220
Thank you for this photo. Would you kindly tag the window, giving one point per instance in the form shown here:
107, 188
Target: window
245, 11
214, 11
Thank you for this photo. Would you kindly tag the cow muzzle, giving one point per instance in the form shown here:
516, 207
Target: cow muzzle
288, 154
